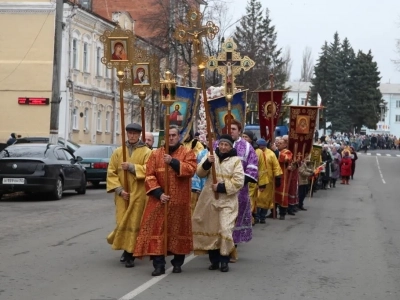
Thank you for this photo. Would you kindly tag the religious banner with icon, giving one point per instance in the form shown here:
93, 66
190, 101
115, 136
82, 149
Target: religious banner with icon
301, 133
183, 110
219, 112
315, 156
269, 108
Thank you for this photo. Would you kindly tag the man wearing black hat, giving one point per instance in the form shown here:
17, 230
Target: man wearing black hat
129, 203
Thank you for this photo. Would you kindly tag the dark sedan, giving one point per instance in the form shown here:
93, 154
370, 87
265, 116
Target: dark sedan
95, 159
40, 168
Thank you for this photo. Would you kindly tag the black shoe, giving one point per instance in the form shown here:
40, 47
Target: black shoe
224, 267
123, 257
262, 222
158, 272
291, 213
281, 217
177, 269
270, 216
302, 208
213, 267
129, 263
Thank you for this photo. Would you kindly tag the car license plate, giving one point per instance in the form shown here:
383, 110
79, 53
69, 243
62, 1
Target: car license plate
86, 165
13, 181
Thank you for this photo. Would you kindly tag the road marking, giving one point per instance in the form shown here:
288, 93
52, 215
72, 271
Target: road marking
378, 154
388, 154
368, 153
398, 155
379, 169
140, 289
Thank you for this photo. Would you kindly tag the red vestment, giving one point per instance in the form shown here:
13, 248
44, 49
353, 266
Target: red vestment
282, 192
150, 240
345, 166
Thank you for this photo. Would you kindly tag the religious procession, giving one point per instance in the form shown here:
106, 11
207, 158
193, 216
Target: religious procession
203, 192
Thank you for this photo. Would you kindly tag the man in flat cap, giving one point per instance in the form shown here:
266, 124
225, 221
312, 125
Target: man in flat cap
129, 204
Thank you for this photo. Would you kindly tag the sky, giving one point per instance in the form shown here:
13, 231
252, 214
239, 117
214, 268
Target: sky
368, 24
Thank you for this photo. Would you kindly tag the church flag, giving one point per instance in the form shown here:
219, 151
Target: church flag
302, 124
219, 112
269, 111
183, 110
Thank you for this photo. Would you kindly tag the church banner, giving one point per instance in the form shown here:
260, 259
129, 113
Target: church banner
183, 110
269, 108
301, 133
219, 112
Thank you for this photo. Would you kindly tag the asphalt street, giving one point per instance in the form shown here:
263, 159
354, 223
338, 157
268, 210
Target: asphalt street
346, 246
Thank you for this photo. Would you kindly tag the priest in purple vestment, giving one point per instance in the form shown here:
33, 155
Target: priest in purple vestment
243, 231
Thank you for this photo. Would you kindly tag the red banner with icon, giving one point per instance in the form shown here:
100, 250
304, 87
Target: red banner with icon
269, 109
302, 124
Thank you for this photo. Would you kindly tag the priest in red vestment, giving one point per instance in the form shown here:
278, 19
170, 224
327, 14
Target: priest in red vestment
182, 165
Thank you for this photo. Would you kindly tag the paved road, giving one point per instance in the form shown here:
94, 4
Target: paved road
346, 246
381, 152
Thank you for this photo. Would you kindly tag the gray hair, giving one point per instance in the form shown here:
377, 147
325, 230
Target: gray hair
174, 127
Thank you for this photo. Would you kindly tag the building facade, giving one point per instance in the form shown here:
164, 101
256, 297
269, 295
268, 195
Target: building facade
26, 65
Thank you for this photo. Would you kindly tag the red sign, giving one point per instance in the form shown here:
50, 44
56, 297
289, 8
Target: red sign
33, 101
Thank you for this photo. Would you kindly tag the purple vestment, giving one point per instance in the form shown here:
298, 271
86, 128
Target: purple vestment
243, 231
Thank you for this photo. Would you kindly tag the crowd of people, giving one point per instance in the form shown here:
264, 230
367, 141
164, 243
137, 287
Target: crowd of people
190, 198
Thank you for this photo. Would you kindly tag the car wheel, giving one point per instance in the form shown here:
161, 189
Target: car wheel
82, 189
95, 183
58, 190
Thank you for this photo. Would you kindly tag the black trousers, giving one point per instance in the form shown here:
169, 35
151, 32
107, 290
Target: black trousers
303, 191
216, 257
282, 210
159, 260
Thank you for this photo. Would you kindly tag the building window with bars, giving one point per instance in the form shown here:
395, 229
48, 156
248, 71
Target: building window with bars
108, 121
397, 118
99, 121
85, 57
75, 118
75, 54
98, 61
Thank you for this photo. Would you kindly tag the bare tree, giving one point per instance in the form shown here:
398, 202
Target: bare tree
288, 63
307, 67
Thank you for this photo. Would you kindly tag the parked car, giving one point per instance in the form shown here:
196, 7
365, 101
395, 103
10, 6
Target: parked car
40, 168
70, 145
95, 159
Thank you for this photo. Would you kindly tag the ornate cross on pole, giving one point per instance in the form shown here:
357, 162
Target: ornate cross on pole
229, 63
194, 33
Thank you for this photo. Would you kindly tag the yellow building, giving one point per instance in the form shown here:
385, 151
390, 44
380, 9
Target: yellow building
89, 111
26, 64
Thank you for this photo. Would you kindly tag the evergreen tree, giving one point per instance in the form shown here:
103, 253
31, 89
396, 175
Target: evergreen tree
256, 38
366, 95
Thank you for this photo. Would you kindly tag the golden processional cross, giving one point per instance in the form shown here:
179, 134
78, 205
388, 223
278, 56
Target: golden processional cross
229, 64
194, 33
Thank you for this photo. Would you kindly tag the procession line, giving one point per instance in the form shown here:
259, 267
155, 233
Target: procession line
379, 169
140, 289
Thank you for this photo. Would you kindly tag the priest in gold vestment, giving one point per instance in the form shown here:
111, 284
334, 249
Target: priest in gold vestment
128, 216
269, 172
150, 242
214, 219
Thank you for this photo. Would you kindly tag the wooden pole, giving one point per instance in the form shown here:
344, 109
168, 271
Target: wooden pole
120, 75
208, 122
272, 133
142, 97
167, 191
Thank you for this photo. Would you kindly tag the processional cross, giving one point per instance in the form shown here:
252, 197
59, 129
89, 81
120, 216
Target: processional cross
194, 33
229, 64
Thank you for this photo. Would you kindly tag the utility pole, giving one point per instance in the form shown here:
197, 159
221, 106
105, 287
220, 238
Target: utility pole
55, 87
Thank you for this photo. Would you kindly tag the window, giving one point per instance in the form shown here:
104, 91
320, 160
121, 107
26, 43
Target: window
99, 121
85, 57
60, 154
98, 61
75, 54
117, 123
397, 103
86, 118
397, 118
75, 118
302, 101
108, 121
87, 4
68, 155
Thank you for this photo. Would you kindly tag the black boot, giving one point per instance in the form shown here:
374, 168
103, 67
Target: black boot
224, 267
123, 257
282, 217
158, 271
214, 266
129, 261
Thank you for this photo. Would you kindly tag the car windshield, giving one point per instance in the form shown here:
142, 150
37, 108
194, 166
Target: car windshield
92, 152
34, 152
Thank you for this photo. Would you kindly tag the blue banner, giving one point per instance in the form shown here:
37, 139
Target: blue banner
184, 109
219, 112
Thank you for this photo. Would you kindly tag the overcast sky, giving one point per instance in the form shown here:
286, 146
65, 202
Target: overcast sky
368, 24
